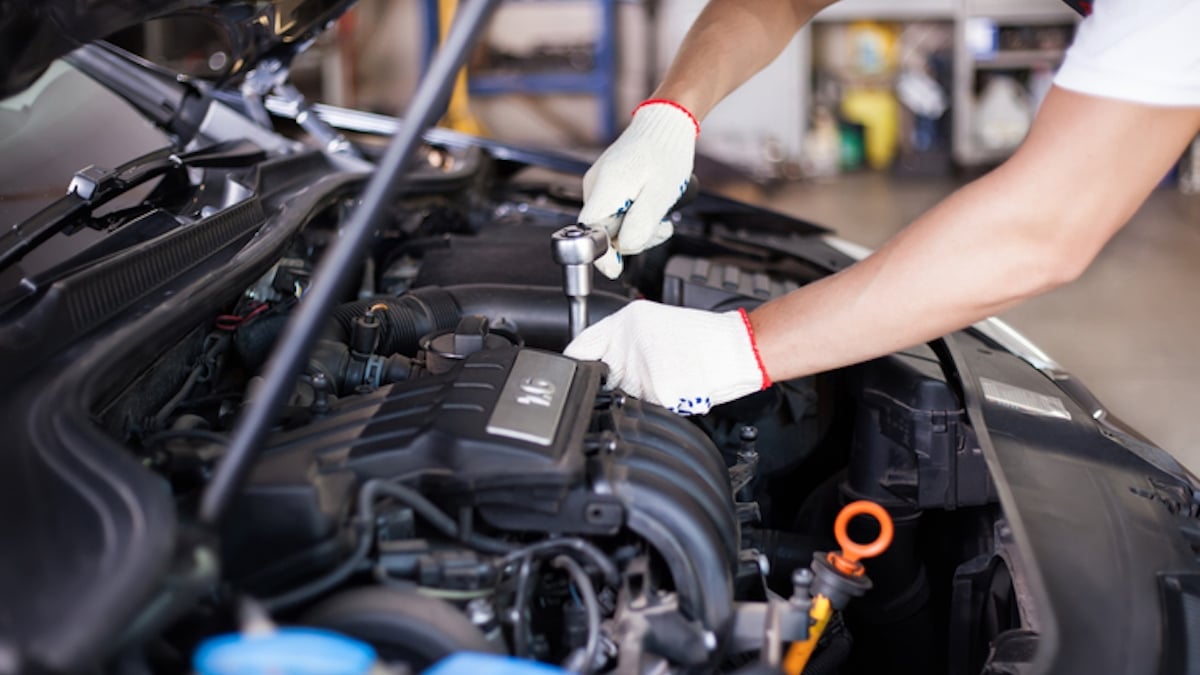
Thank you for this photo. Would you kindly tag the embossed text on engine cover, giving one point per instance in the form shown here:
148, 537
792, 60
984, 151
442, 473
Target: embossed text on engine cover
531, 403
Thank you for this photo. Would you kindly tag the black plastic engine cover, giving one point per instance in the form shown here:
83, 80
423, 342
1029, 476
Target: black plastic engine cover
527, 439
494, 433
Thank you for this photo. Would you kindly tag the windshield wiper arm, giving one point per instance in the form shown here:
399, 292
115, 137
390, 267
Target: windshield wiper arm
94, 186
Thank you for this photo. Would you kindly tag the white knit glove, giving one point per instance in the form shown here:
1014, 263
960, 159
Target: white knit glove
630, 189
687, 360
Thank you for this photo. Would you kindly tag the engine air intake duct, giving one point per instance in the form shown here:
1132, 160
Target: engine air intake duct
537, 313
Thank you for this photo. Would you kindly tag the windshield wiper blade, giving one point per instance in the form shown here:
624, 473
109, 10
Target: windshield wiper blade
94, 186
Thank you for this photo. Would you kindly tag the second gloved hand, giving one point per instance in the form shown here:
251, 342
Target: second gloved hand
685, 359
632, 186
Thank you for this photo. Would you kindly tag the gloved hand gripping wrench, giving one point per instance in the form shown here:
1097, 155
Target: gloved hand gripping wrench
576, 247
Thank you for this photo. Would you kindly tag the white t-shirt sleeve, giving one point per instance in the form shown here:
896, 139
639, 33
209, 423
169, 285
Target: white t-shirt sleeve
1144, 51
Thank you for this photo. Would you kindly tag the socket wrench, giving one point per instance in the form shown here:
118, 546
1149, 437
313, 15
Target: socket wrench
576, 247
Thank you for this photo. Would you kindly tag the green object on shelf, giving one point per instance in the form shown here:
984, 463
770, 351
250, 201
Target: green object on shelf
852, 145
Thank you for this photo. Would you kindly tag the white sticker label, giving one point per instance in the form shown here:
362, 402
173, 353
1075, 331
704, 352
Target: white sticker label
1024, 400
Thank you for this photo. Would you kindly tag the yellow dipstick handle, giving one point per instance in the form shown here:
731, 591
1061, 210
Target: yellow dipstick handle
800, 652
847, 563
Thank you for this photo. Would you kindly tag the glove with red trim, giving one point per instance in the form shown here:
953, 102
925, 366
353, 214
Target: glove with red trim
630, 189
685, 359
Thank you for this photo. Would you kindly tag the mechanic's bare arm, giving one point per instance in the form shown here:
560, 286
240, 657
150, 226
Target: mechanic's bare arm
730, 41
1031, 225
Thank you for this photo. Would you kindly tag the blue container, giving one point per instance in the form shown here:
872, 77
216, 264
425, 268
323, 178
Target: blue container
467, 663
286, 651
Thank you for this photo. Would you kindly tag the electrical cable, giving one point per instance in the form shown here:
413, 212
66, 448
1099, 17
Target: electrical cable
520, 597
435, 516
335, 576
375, 488
569, 545
414, 500
362, 548
160, 418
591, 606
366, 520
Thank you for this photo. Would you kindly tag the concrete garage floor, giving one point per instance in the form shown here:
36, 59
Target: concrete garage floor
1128, 328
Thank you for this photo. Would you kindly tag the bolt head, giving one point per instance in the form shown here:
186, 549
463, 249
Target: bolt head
802, 577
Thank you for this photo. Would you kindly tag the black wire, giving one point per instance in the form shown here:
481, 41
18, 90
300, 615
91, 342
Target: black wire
570, 545
165, 412
591, 606
414, 500
366, 523
520, 630
436, 517
376, 487
367, 495
362, 548
487, 544
187, 434
322, 584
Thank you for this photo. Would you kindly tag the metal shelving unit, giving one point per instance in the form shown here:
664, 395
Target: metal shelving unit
968, 67
599, 82
966, 148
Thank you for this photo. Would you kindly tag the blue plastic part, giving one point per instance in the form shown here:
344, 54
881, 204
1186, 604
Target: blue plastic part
469, 663
287, 651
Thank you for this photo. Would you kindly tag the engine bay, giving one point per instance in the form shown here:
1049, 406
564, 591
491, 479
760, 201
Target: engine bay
442, 479
289, 369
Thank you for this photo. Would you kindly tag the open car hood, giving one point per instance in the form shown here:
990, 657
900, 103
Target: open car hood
35, 32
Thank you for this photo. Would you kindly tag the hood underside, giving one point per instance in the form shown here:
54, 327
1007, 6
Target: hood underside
33, 33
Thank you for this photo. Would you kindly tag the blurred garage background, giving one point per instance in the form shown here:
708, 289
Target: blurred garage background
869, 117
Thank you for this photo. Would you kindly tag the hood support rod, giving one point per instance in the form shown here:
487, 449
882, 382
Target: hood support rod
333, 271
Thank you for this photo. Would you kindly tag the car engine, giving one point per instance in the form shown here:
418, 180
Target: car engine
442, 479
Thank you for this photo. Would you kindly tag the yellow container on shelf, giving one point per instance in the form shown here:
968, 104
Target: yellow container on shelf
874, 47
879, 113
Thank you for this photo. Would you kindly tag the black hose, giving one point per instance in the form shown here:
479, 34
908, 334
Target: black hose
406, 320
366, 524
591, 606
375, 488
569, 545
328, 581
537, 313
164, 413
479, 542
416, 501
435, 516
520, 629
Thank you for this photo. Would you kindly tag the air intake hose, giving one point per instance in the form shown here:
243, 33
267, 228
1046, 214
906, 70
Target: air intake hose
537, 313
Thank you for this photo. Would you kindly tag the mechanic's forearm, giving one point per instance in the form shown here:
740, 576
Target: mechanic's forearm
1033, 224
946, 271
730, 41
